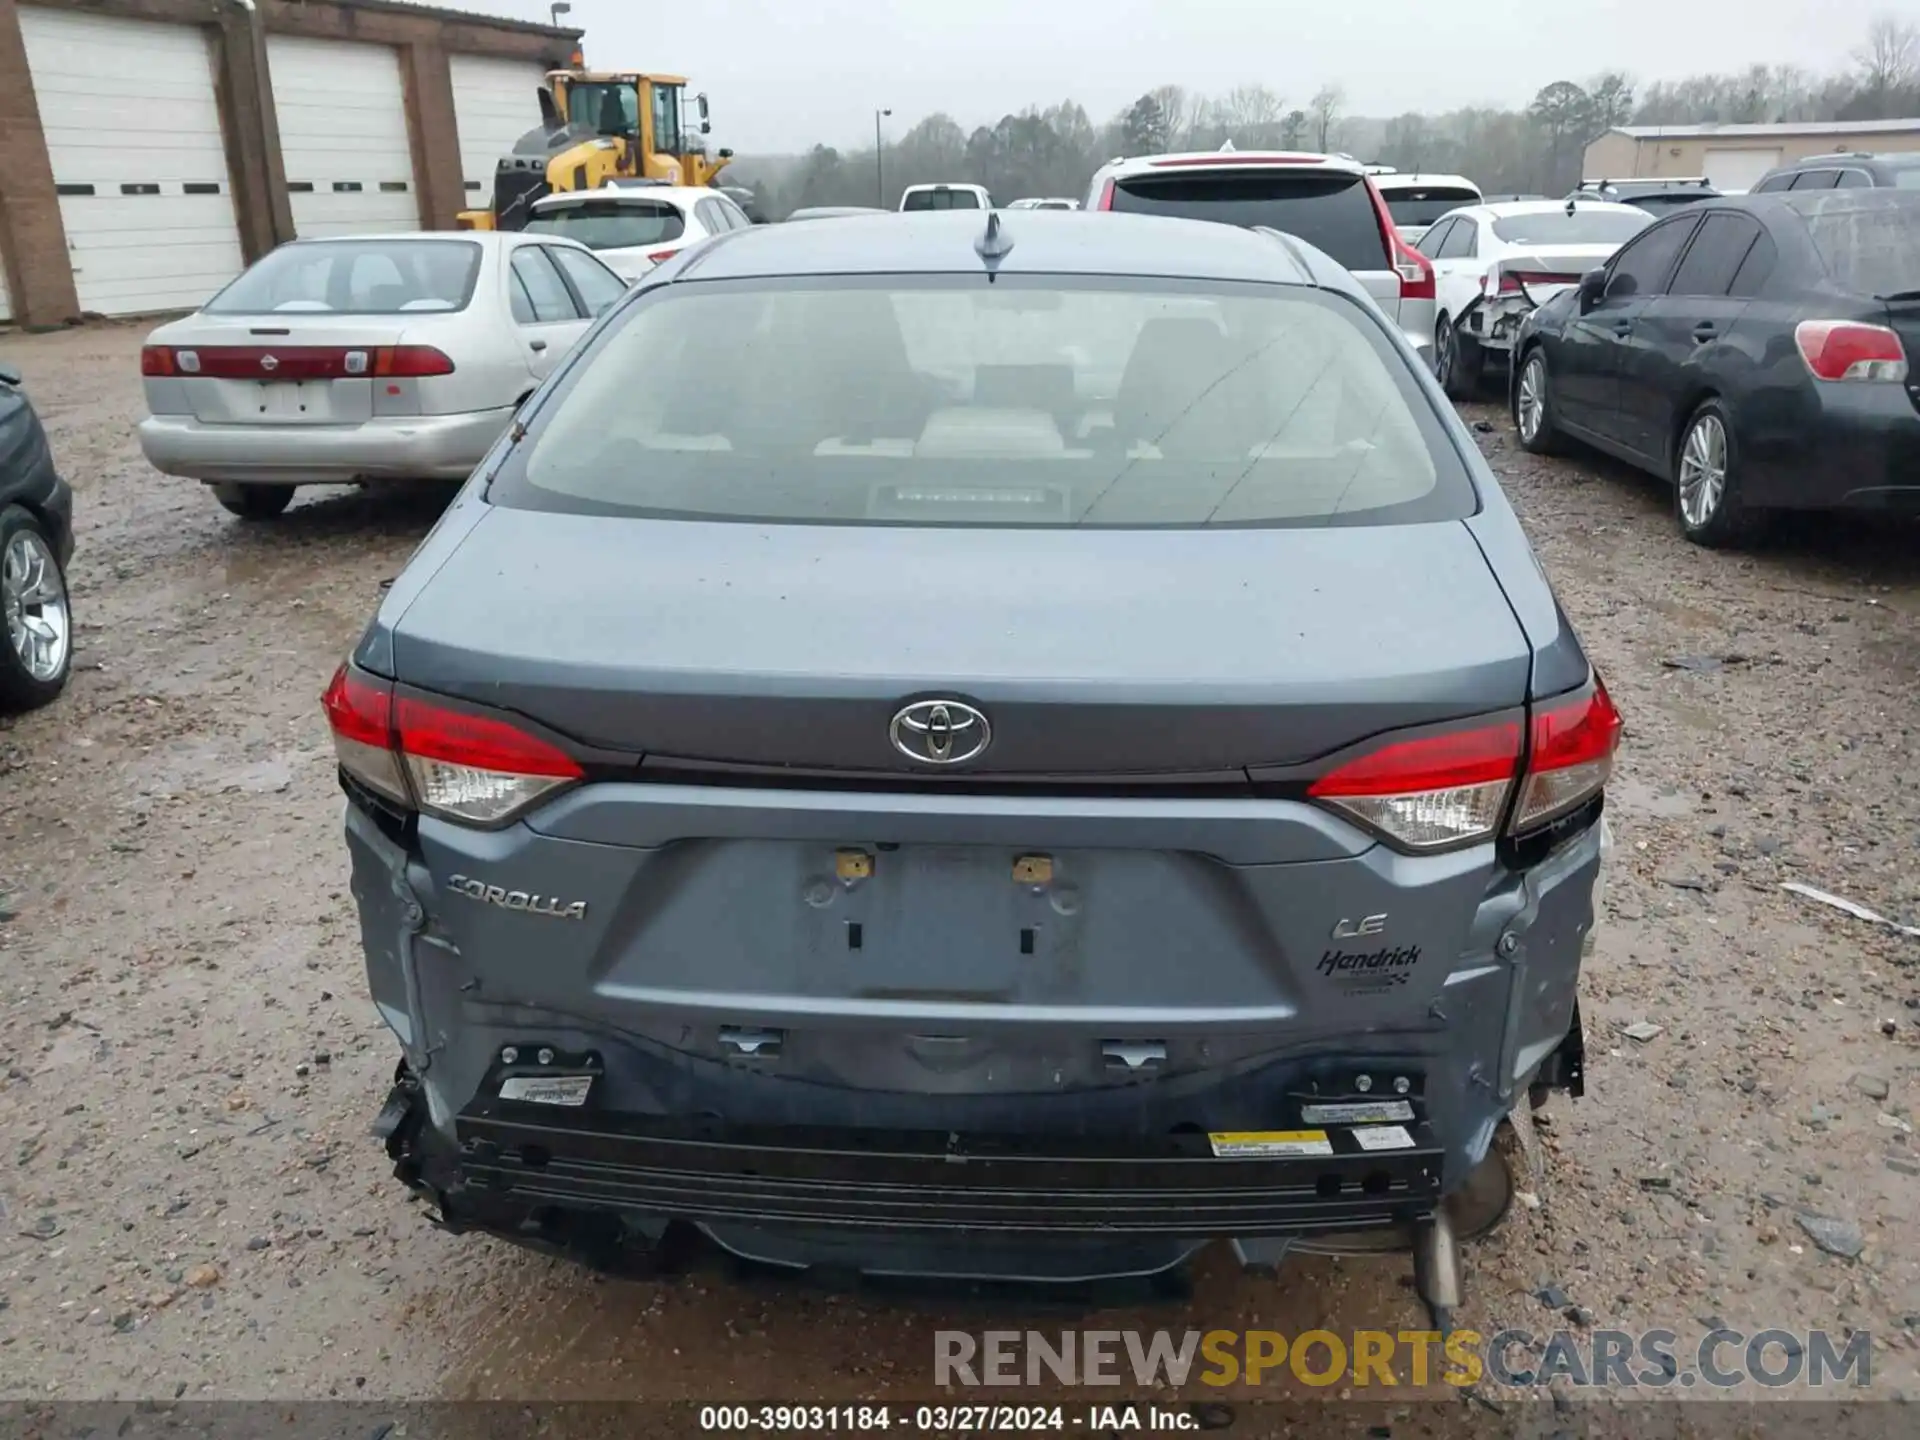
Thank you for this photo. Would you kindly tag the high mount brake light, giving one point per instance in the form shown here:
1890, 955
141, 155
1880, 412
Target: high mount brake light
1850, 350
1434, 792
474, 769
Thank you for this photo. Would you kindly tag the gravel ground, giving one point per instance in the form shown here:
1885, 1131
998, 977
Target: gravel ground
190, 1205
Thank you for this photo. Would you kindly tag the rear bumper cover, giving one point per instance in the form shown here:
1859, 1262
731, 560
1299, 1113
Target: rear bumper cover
425, 447
946, 1176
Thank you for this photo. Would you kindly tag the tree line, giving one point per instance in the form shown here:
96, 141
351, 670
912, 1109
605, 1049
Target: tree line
1537, 149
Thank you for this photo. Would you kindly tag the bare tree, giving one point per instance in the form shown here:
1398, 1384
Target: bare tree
1183, 110
1250, 107
1890, 60
1325, 110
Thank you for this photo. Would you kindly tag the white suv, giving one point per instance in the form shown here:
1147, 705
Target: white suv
1326, 200
636, 227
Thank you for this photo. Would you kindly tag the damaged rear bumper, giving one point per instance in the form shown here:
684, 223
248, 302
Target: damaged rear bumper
593, 1183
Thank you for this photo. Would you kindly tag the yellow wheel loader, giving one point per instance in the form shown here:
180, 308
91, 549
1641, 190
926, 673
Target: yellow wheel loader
597, 127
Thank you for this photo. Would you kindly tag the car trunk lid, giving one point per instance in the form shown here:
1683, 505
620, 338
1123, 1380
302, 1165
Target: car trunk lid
1104, 655
281, 370
1545, 270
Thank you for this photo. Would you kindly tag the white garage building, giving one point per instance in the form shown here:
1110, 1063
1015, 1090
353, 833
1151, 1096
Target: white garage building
149, 149
1734, 157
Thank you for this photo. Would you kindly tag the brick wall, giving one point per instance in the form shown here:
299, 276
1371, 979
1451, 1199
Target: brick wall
33, 243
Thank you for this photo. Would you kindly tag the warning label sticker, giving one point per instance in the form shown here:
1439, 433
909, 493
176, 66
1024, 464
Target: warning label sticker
1269, 1144
547, 1089
1384, 1137
1357, 1112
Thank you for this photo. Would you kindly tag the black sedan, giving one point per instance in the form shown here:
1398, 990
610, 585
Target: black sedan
36, 541
1751, 350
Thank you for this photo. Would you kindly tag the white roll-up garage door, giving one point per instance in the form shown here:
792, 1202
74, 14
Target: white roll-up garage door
343, 136
133, 131
1729, 169
495, 102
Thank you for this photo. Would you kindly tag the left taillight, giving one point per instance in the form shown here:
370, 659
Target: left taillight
461, 766
660, 257
157, 360
1414, 269
1434, 792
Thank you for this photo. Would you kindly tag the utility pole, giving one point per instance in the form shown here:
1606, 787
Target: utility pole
879, 161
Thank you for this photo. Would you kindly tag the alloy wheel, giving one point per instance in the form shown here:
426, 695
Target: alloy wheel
34, 598
1703, 471
1533, 396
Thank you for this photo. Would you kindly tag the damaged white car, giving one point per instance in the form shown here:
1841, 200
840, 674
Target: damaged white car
1495, 263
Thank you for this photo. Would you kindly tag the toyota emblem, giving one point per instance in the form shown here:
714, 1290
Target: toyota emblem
940, 732
269, 364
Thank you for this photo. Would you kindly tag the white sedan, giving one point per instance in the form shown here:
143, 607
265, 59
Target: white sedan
1494, 263
363, 358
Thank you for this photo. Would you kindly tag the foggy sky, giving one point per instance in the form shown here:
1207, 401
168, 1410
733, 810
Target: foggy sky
783, 74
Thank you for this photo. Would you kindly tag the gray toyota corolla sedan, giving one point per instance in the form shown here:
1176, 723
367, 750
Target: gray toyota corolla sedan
974, 745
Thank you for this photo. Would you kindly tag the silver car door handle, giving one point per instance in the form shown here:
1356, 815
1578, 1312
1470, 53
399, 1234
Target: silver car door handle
536, 346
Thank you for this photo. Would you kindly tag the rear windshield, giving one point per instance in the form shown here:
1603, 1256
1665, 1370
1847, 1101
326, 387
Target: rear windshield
613, 225
1333, 213
1426, 204
1582, 227
942, 200
355, 277
1032, 401
1870, 250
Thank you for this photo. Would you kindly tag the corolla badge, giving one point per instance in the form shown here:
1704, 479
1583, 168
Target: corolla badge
520, 900
940, 732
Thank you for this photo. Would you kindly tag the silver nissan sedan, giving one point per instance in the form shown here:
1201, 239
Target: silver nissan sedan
975, 745
377, 357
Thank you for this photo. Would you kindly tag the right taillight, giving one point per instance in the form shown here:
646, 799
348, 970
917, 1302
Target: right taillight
1430, 792
660, 257
1850, 350
1436, 792
1569, 758
460, 766
1106, 196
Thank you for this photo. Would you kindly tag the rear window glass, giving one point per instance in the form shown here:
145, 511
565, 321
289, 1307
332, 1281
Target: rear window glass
355, 277
1426, 204
1869, 249
942, 200
1333, 213
932, 402
613, 225
1582, 227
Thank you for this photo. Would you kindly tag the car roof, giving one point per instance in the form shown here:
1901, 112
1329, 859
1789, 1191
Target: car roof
485, 239
1043, 242
626, 195
1820, 162
1232, 160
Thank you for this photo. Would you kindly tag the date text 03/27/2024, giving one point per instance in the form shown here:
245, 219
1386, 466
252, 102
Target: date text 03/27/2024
945, 1419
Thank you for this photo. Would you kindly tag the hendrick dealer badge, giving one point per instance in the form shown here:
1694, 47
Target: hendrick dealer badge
547, 1089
